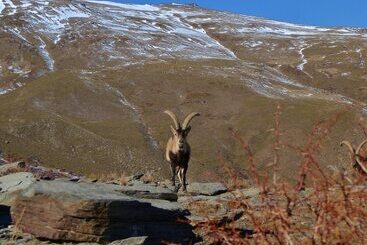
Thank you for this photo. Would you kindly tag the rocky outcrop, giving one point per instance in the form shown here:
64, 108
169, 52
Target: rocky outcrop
51, 205
92, 212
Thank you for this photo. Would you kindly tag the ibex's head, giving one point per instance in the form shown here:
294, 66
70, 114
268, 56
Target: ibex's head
180, 132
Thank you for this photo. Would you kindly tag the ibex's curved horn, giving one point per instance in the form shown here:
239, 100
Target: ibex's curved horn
360, 147
349, 145
189, 118
358, 157
352, 150
174, 118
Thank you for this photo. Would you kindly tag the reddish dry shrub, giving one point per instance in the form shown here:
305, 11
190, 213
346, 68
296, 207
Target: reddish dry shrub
11, 171
11, 157
322, 207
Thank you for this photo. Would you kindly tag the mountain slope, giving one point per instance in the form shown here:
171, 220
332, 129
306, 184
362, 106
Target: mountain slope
83, 83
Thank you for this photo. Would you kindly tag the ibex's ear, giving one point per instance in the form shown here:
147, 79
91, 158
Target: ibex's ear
173, 130
187, 130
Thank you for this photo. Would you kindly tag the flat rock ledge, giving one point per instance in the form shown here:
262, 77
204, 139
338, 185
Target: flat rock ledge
206, 189
138, 189
61, 210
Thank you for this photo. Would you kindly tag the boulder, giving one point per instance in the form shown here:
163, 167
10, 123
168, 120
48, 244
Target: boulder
11, 185
93, 212
207, 189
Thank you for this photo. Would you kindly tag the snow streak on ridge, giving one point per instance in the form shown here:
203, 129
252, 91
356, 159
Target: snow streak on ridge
2, 6
45, 55
13, 8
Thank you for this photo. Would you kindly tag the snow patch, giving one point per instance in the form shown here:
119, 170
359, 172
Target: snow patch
45, 55
13, 8
10, 89
2, 6
25, 4
303, 59
5, 91
190, 32
52, 21
360, 56
253, 44
16, 32
270, 82
145, 7
227, 50
177, 37
121, 97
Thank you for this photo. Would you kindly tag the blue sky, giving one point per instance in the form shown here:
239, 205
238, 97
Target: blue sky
310, 12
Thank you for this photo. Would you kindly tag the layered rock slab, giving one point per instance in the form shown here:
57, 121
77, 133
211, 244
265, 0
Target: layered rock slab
93, 212
11, 185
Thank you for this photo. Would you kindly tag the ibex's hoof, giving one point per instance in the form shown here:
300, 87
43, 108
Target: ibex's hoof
177, 188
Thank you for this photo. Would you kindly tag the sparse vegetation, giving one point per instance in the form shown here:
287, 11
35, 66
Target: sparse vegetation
147, 178
118, 178
322, 207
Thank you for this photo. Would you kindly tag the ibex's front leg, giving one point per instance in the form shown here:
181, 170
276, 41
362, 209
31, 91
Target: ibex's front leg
173, 171
182, 178
184, 183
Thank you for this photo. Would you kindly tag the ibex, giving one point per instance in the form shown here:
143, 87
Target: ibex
178, 150
355, 156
